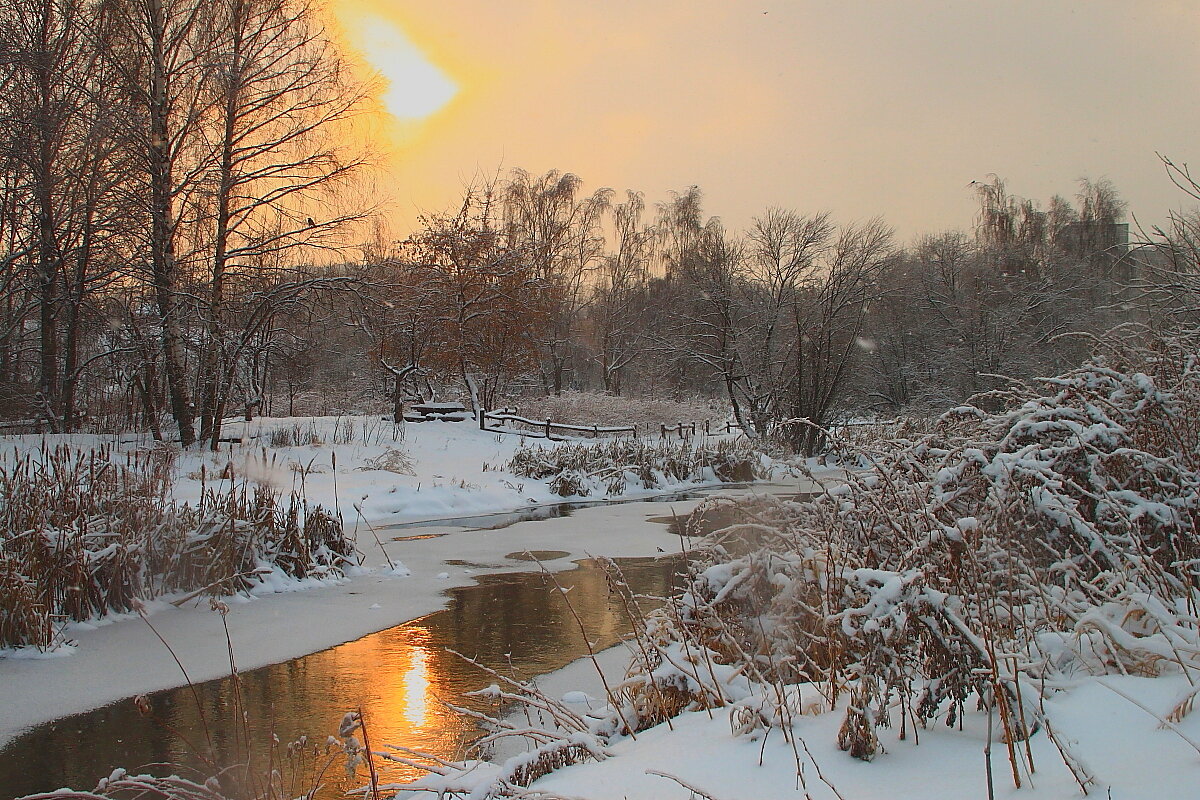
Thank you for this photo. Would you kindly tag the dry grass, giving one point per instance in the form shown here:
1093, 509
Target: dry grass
296, 435
579, 468
85, 533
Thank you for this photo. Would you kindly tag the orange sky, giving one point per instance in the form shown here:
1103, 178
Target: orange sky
860, 108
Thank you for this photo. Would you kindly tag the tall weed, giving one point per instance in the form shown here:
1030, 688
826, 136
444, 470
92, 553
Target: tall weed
85, 533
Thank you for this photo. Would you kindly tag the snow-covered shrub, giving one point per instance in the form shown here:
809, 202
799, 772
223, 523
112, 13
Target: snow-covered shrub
570, 483
390, 460
239, 534
1055, 535
578, 468
85, 533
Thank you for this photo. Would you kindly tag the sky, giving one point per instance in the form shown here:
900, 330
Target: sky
887, 108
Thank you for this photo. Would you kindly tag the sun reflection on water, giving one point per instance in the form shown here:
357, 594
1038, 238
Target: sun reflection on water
416, 688
401, 679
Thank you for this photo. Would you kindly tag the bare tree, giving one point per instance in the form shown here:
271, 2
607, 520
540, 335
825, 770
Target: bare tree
827, 323
398, 316
490, 300
64, 125
159, 50
558, 228
281, 97
784, 251
619, 300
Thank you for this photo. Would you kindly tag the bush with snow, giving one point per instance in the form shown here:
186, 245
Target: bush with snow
1055, 536
579, 469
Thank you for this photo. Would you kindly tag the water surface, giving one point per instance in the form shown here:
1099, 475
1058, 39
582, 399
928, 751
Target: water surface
401, 678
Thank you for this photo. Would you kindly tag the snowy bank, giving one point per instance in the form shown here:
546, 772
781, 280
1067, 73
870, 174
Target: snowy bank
1005, 606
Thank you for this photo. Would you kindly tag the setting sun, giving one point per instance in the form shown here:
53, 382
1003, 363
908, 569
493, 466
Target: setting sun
416, 87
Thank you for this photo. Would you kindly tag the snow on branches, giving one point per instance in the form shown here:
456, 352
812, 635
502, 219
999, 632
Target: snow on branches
1053, 535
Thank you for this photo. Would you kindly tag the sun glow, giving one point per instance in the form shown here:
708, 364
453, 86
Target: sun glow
411, 83
416, 88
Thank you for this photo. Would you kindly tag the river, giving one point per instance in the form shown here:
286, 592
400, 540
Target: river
402, 677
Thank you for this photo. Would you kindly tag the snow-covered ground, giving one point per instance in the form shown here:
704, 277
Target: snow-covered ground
456, 470
1124, 747
366, 467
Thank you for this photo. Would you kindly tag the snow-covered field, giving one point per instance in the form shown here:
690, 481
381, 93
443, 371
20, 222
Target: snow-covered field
366, 467
449, 470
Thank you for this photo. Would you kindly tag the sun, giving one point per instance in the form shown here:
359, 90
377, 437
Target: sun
416, 88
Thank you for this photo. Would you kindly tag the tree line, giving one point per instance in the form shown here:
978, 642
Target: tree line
177, 212
537, 285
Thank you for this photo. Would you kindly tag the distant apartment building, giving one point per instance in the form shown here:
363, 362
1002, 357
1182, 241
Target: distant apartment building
1088, 238
1103, 245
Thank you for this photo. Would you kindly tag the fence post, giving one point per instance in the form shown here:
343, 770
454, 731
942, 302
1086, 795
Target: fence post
547, 427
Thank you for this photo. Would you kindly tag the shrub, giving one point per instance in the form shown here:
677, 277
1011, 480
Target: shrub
390, 460
992, 555
83, 534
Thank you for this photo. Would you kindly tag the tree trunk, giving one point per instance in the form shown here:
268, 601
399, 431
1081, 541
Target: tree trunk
162, 232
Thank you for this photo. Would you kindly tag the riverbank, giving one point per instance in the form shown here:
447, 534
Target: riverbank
1127, 751
367, 468
123, 656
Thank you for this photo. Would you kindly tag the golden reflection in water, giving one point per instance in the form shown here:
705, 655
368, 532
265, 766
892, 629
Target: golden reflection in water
400, 678
416, 687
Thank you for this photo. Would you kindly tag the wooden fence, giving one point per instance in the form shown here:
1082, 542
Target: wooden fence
34, 425
545, 429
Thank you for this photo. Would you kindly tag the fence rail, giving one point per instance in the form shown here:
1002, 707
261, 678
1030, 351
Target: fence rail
34, 424
545, 428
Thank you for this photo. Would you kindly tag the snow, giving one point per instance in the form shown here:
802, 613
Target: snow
1130, 755
456, 469
119, 656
